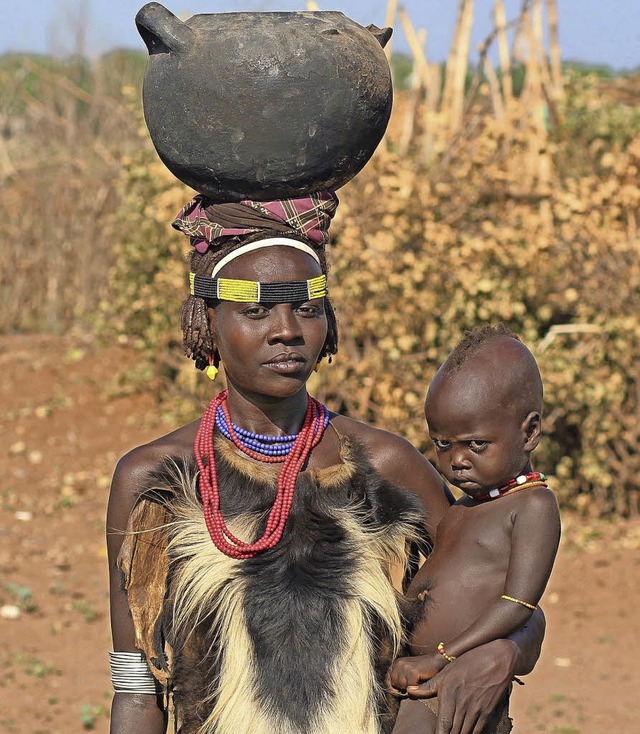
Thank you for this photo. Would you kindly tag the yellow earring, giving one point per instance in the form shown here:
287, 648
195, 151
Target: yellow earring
212, 370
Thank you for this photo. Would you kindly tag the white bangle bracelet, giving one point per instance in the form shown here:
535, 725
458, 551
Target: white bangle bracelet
130, 673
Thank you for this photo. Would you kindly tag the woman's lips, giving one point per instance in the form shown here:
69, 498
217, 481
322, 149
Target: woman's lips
287, 364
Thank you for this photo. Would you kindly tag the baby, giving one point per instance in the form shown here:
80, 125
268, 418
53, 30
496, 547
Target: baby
495, 547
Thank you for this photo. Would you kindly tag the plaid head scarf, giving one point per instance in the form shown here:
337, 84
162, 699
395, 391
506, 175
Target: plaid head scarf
309, 216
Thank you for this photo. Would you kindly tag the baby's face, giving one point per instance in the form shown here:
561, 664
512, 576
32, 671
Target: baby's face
481, 442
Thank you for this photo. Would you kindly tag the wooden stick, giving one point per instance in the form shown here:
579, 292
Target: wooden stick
557, 329
416, 95
500, 19
420, 65
494, 89
459, 58
538, 40
554, 50
389, 20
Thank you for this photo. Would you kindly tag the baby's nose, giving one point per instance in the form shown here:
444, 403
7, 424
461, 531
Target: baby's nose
460, 459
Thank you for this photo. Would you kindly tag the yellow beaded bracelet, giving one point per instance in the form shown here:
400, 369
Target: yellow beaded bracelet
443, 652
519, 601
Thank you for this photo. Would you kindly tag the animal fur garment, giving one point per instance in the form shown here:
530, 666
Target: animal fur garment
297, 639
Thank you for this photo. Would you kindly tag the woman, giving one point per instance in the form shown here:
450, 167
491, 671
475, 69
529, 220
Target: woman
276, 607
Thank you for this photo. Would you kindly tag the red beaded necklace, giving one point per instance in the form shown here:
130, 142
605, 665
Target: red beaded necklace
309, 437
524, 481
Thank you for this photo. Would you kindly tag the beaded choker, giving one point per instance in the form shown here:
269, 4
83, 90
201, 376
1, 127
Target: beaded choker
524, 481
259, 442
262, 448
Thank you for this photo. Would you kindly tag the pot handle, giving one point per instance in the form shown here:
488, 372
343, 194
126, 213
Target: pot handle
382, 34
161, 30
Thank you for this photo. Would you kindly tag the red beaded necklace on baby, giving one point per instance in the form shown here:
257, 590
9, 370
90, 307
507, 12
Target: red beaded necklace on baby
309, 436
524, 481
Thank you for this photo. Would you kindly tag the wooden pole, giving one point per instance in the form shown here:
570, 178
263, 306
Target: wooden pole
457, 66
500, 20
494, 89
538, 41
389, 20
554, 50
416, 97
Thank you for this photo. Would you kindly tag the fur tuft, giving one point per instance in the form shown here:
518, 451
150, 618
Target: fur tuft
298, 638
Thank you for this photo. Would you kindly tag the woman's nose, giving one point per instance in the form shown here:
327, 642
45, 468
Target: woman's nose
284, 324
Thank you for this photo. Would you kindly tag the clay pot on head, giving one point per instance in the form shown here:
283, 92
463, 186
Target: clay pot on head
264, 105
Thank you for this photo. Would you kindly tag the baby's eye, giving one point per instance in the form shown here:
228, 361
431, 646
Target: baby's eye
440, 444
477, 444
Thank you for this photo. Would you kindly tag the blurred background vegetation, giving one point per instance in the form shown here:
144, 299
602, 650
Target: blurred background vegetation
503, 192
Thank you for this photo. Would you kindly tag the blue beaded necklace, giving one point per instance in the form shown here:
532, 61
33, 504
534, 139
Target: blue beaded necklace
259, 442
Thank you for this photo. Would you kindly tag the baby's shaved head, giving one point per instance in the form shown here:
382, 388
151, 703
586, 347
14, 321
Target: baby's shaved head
497, 363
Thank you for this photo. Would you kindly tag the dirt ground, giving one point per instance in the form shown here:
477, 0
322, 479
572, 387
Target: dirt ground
60, 436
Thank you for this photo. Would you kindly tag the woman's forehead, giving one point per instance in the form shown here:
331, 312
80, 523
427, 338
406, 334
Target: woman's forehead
272, 264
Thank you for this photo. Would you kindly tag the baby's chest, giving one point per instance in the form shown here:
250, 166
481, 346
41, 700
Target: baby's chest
473, 536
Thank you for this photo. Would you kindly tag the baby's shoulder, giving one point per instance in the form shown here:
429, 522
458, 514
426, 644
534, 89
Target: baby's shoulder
536, 500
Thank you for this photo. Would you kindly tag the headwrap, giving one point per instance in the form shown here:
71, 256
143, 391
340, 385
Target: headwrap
205, 222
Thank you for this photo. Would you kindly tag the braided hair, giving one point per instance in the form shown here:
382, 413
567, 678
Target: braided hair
197, 340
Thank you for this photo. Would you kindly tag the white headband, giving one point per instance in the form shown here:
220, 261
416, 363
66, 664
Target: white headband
269, 242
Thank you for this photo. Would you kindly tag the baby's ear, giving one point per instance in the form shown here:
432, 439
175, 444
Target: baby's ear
532, 429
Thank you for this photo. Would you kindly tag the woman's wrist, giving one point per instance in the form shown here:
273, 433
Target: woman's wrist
507, 651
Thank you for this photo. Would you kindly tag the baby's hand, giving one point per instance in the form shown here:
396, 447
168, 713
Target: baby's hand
407, 672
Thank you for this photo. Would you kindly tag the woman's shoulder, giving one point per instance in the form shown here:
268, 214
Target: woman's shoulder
137, 466
384, 448
399, 462
391, 455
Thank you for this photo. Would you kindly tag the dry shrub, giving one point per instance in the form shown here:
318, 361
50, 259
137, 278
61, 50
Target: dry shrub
419, 260
423, 253
514, 206
64, 126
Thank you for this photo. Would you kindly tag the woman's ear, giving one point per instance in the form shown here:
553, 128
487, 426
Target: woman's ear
532, 429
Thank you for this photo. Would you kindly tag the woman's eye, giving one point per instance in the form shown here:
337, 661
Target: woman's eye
477, 445
255, 310
440, 444
308, 309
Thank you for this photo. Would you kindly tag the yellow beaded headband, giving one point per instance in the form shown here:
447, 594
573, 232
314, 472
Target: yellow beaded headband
251, 291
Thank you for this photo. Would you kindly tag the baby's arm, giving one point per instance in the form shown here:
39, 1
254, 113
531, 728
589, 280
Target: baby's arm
534, 543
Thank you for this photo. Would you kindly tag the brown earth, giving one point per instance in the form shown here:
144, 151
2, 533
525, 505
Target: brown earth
62, 432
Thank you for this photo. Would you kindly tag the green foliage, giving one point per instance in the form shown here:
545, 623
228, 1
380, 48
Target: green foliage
21, 595
401, 70
89, 716
591, 114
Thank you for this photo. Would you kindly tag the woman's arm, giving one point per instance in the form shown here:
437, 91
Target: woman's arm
471, 687
130, 713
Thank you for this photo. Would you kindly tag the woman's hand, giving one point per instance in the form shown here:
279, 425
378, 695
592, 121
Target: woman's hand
470, 688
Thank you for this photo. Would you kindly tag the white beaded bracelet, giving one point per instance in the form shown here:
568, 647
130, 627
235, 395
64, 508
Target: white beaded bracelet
130, 673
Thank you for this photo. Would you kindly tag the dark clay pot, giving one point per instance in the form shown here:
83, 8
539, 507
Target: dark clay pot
264, 105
